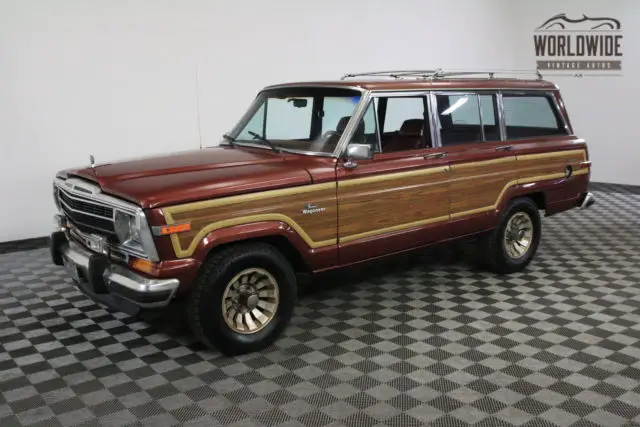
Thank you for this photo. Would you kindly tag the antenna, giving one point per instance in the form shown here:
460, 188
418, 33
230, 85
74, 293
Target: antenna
198, 103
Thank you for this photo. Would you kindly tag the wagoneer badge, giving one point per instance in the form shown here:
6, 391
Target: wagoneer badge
310, 208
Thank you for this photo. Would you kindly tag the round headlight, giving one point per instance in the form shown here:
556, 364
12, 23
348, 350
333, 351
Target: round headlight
125, 227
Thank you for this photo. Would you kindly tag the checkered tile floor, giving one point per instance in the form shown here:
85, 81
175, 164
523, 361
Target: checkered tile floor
423, 341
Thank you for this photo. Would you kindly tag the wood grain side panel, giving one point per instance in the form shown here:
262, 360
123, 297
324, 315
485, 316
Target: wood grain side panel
477, 187
536, 167
374, 205
371, 207
317, 229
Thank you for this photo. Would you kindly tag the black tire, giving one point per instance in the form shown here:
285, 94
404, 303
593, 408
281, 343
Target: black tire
494, 253
204, 305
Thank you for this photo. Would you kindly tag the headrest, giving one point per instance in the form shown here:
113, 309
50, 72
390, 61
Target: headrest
342, 123
358, 135
412, 127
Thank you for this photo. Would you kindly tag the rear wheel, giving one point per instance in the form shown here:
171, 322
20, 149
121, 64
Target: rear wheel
512, 245
243, 299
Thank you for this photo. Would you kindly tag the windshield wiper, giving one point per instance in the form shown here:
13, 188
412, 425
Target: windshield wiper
231, 140
262, 138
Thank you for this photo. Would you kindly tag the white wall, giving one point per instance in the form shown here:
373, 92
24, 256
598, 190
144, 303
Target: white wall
116, 78
604, 110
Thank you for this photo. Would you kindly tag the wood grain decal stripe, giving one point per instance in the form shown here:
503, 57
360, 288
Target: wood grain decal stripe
392, 176
241, 221
242, 198
322, 229
400, 227
564, 153
485, 162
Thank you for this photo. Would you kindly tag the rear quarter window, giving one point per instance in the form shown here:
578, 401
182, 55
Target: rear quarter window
531, 115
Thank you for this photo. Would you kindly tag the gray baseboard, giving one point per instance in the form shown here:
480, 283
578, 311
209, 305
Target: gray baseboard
614, 188
23, 245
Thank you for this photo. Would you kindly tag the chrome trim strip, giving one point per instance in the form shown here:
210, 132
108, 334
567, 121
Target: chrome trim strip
379, 134
501, 118
357, 115
146, 237
98, 196
433, 121
79, 257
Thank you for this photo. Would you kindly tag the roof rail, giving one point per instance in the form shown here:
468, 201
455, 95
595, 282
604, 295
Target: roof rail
396, 74
488, 73
444, 74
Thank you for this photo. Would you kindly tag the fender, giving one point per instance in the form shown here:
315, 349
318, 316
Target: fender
316, 259
559, 194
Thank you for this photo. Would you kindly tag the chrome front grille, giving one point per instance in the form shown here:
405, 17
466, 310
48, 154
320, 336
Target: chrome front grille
87, 215
85, 206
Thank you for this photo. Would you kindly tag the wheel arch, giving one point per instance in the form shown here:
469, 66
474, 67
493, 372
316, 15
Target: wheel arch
538, 197
537, 193
275, 233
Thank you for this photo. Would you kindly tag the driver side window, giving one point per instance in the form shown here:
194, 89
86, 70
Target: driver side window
367, 130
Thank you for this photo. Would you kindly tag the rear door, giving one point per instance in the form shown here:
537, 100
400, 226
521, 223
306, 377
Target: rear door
482, 165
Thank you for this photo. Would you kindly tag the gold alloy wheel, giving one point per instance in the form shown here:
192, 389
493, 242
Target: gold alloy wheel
518, 235
250, 300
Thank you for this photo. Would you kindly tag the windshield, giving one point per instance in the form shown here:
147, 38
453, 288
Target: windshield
307, 119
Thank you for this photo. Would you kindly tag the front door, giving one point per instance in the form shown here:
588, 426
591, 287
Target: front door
399, 199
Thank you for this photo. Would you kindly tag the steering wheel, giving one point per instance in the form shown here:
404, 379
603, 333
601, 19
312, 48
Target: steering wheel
328, 134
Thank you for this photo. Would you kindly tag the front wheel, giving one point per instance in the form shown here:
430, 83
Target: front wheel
513, 244
243, 298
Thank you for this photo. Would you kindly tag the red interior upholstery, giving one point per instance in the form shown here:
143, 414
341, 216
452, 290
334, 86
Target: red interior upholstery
408, 137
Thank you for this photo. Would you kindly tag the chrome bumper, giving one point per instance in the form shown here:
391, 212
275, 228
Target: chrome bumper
108, 282
587, 200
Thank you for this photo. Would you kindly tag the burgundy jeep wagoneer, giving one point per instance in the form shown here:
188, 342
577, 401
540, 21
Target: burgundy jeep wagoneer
317, 176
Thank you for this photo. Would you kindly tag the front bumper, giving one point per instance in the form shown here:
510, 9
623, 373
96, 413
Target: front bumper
108, 282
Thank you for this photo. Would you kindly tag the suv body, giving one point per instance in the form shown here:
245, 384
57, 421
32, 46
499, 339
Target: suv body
317, 176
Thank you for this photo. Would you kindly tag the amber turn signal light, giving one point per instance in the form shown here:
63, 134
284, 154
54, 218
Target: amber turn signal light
143, 265
172, 229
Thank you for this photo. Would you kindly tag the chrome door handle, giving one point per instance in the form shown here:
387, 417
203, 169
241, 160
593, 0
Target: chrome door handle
504, 148
435, 155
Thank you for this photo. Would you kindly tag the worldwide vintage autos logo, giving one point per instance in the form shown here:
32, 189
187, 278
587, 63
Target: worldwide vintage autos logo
581, 46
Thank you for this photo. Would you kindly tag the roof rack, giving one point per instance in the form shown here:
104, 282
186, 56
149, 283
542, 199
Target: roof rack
444, 74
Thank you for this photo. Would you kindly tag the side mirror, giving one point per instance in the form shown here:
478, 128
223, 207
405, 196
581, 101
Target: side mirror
359, 152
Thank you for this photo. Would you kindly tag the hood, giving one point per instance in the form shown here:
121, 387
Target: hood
194, 175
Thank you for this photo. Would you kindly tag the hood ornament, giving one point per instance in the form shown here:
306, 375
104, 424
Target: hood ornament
92, 164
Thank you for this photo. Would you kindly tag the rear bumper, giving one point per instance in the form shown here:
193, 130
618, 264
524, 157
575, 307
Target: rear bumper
108, 282
586, 200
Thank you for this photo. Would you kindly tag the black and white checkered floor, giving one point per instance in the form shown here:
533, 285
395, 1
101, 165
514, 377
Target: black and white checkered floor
427, 341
